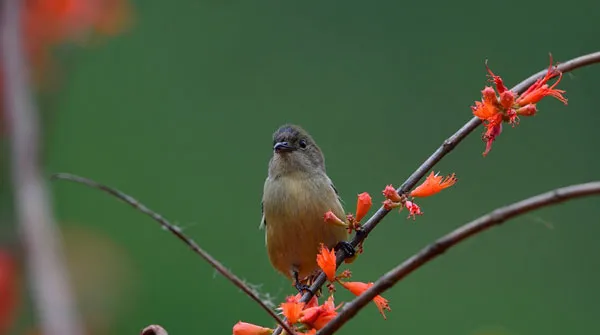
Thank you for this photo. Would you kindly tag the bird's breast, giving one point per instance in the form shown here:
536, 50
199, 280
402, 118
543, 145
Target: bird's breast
298, 196
294, 207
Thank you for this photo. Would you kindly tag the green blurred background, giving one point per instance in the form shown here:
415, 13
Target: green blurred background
179, 110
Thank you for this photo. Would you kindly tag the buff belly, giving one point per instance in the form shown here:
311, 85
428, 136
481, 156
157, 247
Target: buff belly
294, 223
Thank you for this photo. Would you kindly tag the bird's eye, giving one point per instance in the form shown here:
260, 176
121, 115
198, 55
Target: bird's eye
302, 144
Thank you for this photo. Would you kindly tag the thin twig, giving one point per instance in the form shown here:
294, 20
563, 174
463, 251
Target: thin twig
472, 228
180, 235
448, 145
47, 270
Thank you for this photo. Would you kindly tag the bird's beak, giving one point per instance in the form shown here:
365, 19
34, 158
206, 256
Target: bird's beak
280, 147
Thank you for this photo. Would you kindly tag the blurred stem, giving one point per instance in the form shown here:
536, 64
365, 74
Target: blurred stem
470, 229
180, 235
46, 267
447, 146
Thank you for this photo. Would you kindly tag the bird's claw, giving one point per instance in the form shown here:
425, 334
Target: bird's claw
301, 287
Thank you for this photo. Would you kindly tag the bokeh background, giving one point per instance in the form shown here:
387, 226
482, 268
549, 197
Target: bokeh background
178, 110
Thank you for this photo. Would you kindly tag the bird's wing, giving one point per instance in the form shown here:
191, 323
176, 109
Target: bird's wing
263, 221
336, 192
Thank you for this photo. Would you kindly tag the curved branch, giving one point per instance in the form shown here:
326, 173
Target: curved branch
180, 235
472, 228
448, 145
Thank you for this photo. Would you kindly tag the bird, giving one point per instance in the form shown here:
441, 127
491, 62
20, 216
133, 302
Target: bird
297, 193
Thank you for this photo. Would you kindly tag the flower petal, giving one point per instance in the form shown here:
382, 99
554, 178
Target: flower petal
292, 309
244, 328
327, 262
363, 204
331, 218
390, 193
433, 184
358, 288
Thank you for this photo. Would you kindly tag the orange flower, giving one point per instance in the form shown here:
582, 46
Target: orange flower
327, 262
358, 288
492, 111
413, 209
433, 184
331, 218
540, 88
292, 309
390, 193
363, 204
318, 317
488, 107
243, 328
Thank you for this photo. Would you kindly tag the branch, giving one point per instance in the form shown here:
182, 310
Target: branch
448, 145
472, 228
154, 330
46, 267
180, 235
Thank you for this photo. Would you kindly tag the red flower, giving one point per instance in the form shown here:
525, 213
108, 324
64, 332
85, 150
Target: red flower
497, 80
529, 110
292, 309
318, 317
327, 262
433, 184
358, 288
413, 209
363, 204
492, 111
490, 136
243, 328
507, 99
390, 193
540, 88
331, 218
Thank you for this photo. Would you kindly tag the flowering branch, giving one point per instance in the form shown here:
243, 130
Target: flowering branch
180, 235
46, 267
448, 145
470, 229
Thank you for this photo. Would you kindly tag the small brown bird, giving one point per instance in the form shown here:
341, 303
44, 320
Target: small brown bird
297, 194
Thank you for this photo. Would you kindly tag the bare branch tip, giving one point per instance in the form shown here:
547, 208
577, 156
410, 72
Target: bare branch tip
154, 330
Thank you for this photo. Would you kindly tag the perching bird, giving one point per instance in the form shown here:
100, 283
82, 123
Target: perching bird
297, 194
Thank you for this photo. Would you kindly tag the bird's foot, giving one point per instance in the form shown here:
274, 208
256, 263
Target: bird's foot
300, 286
